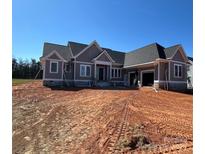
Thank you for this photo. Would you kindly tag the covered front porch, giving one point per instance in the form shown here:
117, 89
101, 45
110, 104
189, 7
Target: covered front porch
102, 73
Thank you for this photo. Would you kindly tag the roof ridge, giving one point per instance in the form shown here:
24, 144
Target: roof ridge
159, 45
100, 46
77, 43
173, 46
115, 50
135, 50
54, 44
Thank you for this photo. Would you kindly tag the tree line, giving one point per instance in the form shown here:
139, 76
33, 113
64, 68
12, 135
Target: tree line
26, 69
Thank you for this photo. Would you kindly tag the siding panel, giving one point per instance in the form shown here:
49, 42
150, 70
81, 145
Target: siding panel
178, 56
49, 75
89, 54
103, 57
54, 56
184, 74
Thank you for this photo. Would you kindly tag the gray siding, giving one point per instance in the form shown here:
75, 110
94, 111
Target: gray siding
178, 56
89, 54
164, 72
184, 74
103, 57
69, 75
54, 56
49, 75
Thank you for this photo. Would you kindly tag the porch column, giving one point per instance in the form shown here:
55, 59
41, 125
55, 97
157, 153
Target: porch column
110, 71
74, 70
158, 71
95, 71
107, 72
169, 70
139, 78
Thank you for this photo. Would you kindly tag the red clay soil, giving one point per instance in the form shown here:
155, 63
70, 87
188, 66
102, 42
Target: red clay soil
100, 121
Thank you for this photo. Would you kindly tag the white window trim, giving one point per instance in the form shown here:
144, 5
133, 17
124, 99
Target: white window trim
52, 61
178, 71
118, 76
85, 70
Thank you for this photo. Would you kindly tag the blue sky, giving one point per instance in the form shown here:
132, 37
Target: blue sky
122, 25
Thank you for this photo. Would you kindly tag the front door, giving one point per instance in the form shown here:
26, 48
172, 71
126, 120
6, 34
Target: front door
101, 74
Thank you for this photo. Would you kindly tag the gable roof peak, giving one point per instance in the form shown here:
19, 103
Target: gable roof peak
159, 45
173, 46
62, 50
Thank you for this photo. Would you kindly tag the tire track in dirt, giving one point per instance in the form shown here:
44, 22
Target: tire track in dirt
119, 131
98, 120
165, 148
116, 128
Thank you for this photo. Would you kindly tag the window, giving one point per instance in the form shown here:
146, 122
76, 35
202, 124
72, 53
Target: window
177, 70
112, 72
116, 72
53, 67
180, 71
119, 72
85, 70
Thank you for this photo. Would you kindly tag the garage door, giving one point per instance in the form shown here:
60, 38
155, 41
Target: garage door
148, 79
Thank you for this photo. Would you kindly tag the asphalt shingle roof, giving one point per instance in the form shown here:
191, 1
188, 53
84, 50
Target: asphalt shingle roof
76, 47
61, 49
117, 56
170, 51
145, 54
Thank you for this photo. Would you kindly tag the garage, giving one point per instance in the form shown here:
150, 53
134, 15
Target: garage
148, 79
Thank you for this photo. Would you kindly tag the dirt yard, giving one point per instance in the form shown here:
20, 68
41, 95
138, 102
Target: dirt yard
100, 121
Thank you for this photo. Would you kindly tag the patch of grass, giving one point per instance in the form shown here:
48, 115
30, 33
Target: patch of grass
139, 140
16, 82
